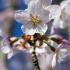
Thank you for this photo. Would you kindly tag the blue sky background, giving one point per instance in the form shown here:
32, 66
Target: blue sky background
16, 27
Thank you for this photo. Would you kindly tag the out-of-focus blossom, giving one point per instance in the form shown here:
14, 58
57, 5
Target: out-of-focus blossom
45, 58
40, 51
62, 54
43, 51
35, 18
60, 14
5, 47
59, 11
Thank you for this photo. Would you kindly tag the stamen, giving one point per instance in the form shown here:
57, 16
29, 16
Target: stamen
34, 19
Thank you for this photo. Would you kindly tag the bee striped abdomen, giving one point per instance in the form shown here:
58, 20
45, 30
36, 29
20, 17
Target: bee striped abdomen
35, 61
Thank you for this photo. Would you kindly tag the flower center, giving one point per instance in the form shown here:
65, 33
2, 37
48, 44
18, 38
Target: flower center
34, 20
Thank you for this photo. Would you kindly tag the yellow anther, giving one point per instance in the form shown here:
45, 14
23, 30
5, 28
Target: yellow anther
34, 20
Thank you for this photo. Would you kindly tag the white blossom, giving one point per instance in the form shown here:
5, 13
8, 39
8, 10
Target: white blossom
5, 47
60, 14
45, 56
62, 54
34, 18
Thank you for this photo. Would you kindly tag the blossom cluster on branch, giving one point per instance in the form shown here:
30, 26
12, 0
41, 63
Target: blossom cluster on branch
35, 20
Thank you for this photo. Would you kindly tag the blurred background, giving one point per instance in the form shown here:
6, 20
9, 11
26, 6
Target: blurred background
19, 61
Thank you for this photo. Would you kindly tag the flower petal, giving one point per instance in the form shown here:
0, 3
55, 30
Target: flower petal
35, 6
28, 29
46, 2
5, 47
64, 3
10, 54
54, 61
63, 53
44, 16
42, 28
40, 50
22, 16
67, 9
37, 43
54, 11
58, 23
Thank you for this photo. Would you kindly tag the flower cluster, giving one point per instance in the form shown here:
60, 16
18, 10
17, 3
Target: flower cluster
36, 45
35, 20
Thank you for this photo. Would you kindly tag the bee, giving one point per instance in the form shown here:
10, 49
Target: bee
14, 40
35, 60
31, 40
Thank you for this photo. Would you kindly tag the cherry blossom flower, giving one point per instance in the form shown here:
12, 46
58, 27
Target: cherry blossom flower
6, 49
62, 52
34, 18
60, 14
